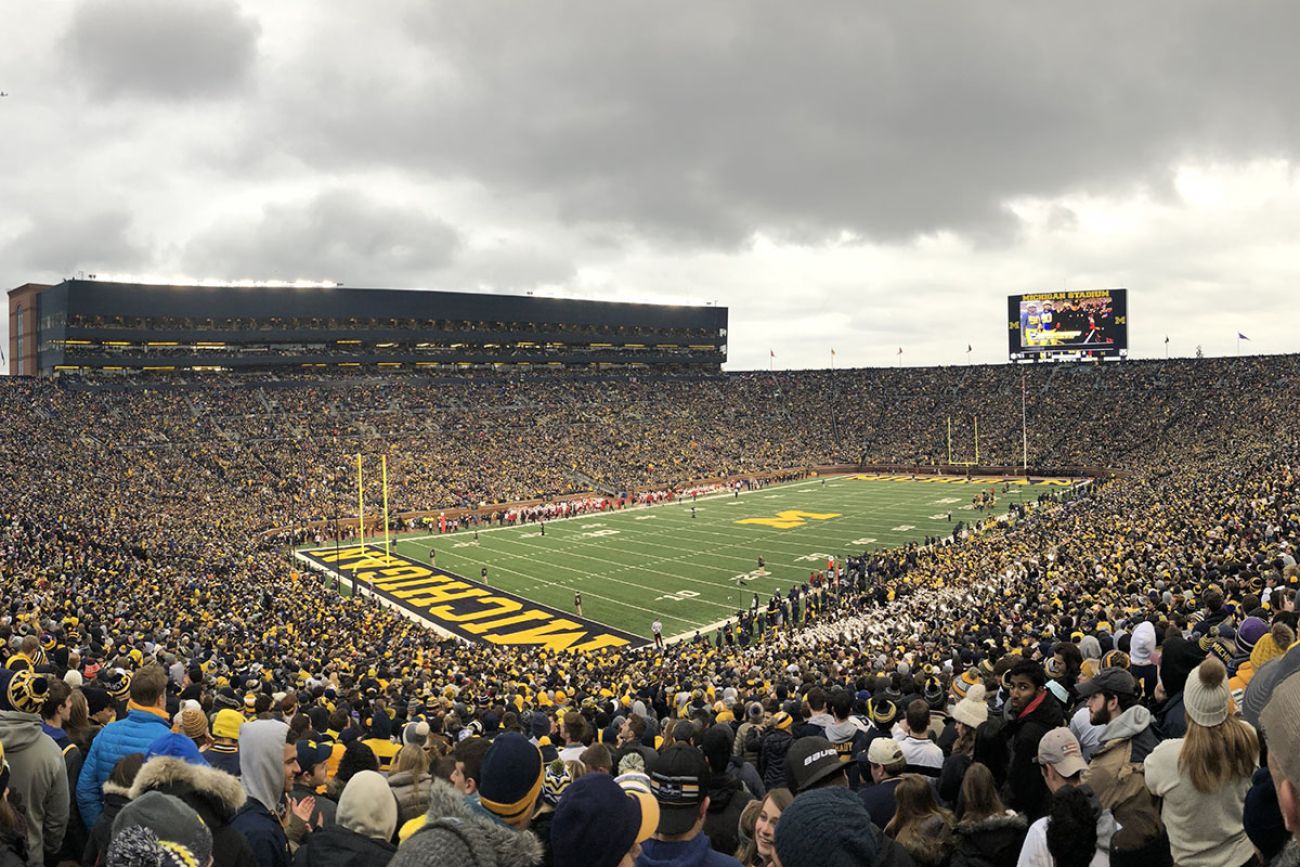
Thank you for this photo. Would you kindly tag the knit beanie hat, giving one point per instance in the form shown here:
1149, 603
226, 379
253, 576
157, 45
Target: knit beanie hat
1206, 694
972, 710
226, 723
157, 829
193, 723
511, 776
1251, 631
557, 780
961, 685
827, 827
118, 683
27, 691
1272, 645
368, 806
177, 746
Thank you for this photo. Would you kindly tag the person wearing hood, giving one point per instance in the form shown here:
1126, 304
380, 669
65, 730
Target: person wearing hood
366, 820
1063, 767
1142, 658
268, 763
491, 831
36, 770
847, 735
1115, 773
146, 720
727, 796
1033, 713
1282, 733
175, 767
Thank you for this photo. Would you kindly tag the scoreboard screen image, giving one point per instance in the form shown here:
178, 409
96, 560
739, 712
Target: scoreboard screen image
1068, 326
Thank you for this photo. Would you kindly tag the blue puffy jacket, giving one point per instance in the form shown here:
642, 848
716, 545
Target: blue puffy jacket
132, 734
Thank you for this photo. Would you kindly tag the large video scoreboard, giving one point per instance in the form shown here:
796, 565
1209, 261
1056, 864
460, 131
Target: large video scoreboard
1068, 326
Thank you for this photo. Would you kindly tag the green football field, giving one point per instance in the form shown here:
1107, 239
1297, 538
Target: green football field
642, 564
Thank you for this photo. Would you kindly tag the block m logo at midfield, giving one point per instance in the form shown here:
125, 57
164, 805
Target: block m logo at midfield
789, 519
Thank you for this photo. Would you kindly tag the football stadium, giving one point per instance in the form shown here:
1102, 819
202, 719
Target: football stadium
761, 583
583, 434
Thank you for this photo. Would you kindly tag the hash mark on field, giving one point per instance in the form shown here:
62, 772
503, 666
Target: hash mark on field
903, 528
645, 517
947, 501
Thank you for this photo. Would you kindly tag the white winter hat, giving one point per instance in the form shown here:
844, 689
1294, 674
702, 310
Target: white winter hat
972, 710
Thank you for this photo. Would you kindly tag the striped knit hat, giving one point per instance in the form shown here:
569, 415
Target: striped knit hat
511, 776
27, 691
961, 685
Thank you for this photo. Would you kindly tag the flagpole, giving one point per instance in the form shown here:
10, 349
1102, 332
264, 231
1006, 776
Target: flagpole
1024, 426
383, 463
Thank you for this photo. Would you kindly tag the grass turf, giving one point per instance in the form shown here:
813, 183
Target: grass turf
638, 565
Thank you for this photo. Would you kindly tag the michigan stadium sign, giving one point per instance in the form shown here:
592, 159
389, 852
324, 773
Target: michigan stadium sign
461, 608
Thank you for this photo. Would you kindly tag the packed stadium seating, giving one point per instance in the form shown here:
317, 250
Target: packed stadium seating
134, 527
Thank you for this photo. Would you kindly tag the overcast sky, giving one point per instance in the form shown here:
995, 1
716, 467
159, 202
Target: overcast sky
857, 175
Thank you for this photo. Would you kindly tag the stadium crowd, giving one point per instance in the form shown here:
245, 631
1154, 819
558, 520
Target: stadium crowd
1104, 680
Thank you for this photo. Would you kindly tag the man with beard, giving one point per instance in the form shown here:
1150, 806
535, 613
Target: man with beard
1117, 773
1034, 712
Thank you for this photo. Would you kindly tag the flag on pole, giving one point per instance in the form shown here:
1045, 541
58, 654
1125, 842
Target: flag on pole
1241, 336
1166, 338
772, 353
900, 350
832, 350
968, 347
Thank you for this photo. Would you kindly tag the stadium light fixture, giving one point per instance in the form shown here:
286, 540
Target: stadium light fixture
182, 280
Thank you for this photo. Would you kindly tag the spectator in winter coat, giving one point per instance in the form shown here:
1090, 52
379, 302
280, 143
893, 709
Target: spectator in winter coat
409, 782
269, 763
771, 755
312, 759
1115, 772
367, 818
887, 763
1034, 714
987, 833
117, 791
37, 773
214, 795
146, 720
13, 828
491, 830
727, 796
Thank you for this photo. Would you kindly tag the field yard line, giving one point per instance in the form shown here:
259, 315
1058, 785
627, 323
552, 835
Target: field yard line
588, 516
585, 593
604, 577
621, 565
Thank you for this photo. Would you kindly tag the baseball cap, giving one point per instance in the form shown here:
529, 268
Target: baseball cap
884, 751
1060, 749
809, 761
680, 780
311, 754
1114, 680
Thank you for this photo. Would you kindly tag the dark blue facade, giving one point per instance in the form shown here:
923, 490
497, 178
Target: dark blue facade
86, 324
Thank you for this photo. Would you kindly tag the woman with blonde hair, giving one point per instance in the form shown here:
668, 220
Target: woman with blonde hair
920, 825
410, 779
1203, 777
760, 844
